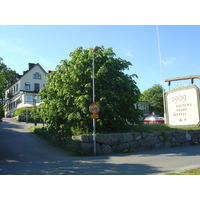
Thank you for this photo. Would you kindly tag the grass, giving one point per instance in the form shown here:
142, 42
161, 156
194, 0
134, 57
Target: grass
32, 128
187, 172
158, 127
143, 128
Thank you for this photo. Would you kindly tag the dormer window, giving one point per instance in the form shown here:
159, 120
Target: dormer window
36, 75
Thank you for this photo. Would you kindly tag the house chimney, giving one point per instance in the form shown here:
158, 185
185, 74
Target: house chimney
31, 65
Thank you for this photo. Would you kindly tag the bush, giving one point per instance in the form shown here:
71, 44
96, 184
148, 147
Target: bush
1, 111
22, 111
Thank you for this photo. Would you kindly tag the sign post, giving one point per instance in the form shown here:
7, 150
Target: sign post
93, 96
183, 108
94, 109
27, 112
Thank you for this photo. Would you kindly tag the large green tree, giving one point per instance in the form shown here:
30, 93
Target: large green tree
154, 96
68, 93
7, 76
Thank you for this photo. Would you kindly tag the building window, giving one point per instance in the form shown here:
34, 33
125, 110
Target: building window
37, 87
36, 75
38, 100
27, 86
17, 88
29, 98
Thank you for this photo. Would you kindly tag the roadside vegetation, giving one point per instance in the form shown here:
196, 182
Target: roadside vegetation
68, 94
158, 127
137, 128
187, 172
73, 146
7, 76
154, 96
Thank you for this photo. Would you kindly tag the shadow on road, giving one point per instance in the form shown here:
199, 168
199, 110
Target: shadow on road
74, 167
175, 151
7, 123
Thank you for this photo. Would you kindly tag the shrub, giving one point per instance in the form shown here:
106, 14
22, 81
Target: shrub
22, 111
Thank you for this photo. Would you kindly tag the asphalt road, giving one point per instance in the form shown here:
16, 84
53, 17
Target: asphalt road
23, 153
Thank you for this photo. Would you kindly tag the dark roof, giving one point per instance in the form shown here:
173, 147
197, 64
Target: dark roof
30, 67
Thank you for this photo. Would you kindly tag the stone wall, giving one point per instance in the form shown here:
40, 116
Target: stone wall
21, 118
132, 142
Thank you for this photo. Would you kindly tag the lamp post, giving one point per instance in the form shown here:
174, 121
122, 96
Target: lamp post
93, 95
34, 105
161, 72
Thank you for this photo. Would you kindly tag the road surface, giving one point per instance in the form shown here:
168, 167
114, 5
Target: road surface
23, 153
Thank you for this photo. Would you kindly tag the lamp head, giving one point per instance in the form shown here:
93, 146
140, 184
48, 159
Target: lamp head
95, 49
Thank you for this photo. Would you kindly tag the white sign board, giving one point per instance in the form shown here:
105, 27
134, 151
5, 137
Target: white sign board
183, 107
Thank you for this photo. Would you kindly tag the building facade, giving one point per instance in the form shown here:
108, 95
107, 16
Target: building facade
144, 106
24, 90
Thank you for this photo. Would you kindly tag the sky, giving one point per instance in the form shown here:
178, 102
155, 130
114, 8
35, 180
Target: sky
49, 44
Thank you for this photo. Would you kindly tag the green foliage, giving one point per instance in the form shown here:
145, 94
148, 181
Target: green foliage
21, 111
6, 78
74, 147
34, 114
159, 127
164, 135
1, 111
187, 172
68, 93
154, 96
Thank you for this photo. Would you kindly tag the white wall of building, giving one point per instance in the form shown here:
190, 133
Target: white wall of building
23, 91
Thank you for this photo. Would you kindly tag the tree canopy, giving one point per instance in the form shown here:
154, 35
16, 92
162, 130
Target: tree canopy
7, 76
68, 93
154, 96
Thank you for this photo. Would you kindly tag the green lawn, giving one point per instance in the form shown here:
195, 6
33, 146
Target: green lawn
158, 127
142, 128
187, 172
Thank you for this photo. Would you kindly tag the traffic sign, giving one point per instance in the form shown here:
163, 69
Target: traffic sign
94, 108
95, 116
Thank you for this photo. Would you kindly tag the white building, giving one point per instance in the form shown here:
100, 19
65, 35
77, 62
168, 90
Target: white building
23, 92
144, 106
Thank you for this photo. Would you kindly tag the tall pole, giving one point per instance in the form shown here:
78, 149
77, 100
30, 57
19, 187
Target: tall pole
34, 105
161, 72
93, 84
93, 95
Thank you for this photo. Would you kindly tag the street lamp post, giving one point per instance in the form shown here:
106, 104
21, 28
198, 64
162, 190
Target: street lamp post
34, 105
93, 95
161, 72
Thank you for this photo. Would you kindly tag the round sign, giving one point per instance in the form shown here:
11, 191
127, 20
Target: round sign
94, 108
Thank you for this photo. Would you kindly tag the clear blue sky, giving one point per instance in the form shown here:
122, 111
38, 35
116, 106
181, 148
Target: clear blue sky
48, 45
